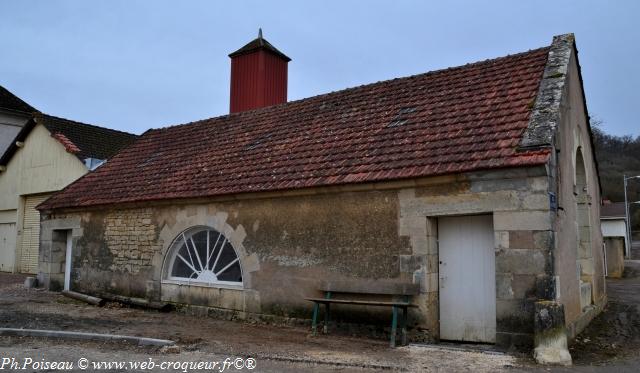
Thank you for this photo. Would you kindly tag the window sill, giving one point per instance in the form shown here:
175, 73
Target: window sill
220, 285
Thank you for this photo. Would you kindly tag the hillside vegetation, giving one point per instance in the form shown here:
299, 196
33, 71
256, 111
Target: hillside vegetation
617, 156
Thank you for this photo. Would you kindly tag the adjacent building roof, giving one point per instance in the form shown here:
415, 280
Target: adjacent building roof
615, 210
456, 120
81, 139
9, 101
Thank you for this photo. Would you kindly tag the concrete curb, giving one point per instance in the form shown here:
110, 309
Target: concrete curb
141, 341
461, 348
307, 360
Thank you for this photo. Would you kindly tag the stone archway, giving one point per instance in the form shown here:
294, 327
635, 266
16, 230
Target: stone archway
584, 247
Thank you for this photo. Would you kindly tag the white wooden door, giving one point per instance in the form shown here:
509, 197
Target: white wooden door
467, 278
67, 263
7, 246
31, 234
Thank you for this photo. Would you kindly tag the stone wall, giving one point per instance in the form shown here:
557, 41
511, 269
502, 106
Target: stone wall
579, 258
53, 249
524, 240
131, 238
288, 244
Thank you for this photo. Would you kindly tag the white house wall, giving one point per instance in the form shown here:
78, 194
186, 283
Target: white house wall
41, 166
613, 228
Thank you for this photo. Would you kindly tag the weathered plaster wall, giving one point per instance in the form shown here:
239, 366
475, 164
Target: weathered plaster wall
293, 241
573, 135
288, 244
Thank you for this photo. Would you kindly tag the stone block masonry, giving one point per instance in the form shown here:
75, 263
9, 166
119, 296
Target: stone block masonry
524, 240
132, 238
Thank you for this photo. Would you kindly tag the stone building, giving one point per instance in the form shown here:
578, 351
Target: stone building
478, 183
613, 223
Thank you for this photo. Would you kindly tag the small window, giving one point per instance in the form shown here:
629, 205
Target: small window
203, 255
93, 163
402, 117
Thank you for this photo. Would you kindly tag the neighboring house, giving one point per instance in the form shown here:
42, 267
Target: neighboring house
14, 113
613, 222
45, 156
478, 183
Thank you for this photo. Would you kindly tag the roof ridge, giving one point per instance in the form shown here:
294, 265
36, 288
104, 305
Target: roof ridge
20, 101
354, 88
83, 123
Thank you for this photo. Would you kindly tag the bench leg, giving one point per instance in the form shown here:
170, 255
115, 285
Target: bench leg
404, 326
314, 321
327, 308
394, 325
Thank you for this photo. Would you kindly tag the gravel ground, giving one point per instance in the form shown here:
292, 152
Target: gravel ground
418, 359
610, 344
276, 348
615, 334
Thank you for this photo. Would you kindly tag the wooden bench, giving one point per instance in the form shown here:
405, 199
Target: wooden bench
349, 289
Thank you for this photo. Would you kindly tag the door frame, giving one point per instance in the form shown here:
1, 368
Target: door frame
68, 260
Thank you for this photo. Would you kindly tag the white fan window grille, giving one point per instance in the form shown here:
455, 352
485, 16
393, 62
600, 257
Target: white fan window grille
203, 255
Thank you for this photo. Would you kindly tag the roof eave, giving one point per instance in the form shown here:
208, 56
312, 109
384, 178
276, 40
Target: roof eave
259, 44
18, 112
275, 53
20, 137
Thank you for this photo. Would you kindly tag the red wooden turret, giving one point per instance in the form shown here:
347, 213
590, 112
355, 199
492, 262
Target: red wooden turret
258, 76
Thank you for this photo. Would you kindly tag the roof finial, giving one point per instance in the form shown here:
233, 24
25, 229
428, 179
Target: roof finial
260, 33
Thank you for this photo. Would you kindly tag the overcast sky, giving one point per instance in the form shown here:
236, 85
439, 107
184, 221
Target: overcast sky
135, 65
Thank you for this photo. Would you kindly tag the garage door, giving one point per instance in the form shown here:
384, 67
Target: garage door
467, 279
7, 246
31, 234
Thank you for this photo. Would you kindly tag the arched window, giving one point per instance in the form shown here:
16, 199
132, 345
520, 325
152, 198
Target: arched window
203, 255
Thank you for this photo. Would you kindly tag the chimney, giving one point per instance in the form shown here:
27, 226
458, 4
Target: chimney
258, 76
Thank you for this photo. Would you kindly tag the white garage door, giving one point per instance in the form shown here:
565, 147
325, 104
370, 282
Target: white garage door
7, 246
31, 234
467, 278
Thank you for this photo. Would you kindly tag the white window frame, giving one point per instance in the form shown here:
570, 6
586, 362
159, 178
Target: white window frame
177, 244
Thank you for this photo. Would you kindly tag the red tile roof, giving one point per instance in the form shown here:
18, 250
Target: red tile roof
449, 121
80, 139
69, 146
613, 210
91, 141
